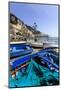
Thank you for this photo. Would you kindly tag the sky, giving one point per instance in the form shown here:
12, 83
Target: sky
45, 16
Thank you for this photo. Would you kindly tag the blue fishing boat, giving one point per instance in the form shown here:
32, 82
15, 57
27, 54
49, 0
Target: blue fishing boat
49, 60
18, 49
52, 55
36, 72
32, 75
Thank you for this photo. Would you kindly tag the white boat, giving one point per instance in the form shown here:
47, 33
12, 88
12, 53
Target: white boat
17, 42
36, 44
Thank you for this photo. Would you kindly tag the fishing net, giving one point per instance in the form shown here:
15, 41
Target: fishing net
34, 75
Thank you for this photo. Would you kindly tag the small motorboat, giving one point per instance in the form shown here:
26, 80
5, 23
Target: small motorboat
18, 49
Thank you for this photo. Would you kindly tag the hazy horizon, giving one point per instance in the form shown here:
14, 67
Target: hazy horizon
45, 16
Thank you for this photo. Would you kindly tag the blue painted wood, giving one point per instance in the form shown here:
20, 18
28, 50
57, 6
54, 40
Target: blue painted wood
27, 58
20, 49
19, 61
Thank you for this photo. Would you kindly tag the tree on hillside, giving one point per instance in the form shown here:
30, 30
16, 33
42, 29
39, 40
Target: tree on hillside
35, 26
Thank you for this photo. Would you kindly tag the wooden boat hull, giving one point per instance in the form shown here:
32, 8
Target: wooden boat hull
39, 56
20, 49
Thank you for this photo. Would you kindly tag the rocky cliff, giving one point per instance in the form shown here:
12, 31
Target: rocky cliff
21, 31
